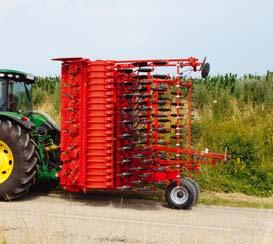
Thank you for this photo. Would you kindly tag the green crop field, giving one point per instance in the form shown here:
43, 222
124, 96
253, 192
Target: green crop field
237, 113
231, 112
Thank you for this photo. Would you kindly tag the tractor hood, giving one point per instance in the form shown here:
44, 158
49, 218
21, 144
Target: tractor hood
17, 76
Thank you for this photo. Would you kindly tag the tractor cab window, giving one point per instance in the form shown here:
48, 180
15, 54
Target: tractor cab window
19, 96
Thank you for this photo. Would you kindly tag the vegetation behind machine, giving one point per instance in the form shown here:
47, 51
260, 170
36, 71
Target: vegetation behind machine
232, 111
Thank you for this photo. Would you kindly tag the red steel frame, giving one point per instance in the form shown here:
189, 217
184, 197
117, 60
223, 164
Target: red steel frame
112, 124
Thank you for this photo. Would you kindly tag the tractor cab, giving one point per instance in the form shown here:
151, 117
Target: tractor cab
15, 91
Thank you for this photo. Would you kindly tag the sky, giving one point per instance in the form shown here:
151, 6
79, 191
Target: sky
236, 36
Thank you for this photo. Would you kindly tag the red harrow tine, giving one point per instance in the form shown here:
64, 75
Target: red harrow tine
123, 131
156, 111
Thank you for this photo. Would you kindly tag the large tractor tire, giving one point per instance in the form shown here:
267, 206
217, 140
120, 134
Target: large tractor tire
18, 161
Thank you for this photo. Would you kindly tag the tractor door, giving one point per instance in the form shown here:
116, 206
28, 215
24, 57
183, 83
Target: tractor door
3, 95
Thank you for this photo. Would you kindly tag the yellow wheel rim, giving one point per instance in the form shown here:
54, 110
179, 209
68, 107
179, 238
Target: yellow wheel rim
6, 162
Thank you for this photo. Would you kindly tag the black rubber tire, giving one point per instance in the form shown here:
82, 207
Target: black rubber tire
188, 204
25, 160
197, 188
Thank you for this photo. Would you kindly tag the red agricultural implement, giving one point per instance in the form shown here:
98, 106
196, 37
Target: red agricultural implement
124, 126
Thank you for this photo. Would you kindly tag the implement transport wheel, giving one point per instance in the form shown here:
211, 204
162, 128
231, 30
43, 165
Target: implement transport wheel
18, 161
196, 186
181, 197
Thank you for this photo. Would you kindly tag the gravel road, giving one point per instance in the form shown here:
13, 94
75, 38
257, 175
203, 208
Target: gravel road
108, 218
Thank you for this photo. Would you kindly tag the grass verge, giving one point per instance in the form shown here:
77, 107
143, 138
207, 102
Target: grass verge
235, 200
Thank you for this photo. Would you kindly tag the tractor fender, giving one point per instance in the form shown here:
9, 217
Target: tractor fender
28, 125
49, 121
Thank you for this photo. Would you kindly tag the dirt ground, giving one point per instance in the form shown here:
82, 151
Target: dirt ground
113, 218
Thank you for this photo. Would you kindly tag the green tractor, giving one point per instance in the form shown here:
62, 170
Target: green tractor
29, 140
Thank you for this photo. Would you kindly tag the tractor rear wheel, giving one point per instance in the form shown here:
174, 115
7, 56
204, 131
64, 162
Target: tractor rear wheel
18, 161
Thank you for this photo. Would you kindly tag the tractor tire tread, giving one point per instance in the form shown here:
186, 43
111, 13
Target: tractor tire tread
25, 160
